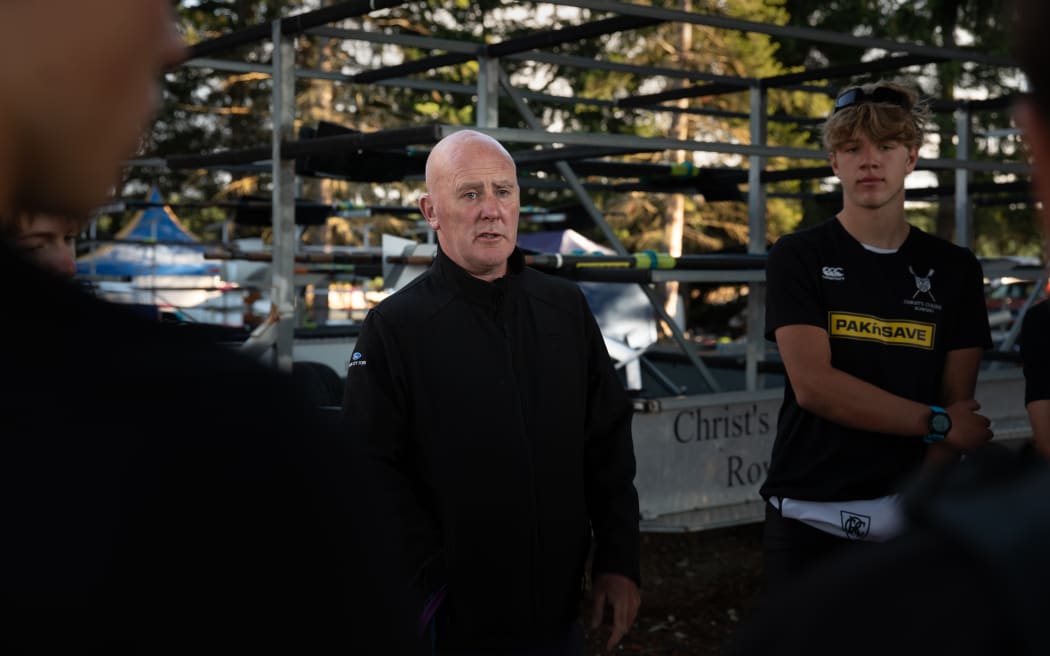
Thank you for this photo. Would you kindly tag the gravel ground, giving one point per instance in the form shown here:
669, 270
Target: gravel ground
696, 588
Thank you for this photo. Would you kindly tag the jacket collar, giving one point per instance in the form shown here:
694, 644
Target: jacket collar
475, 289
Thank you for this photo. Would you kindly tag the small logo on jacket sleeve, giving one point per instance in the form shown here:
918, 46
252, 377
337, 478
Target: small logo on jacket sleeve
356, 360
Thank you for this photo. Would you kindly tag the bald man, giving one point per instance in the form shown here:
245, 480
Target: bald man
483, 399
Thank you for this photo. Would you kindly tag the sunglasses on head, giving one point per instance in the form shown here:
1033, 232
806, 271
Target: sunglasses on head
857, 95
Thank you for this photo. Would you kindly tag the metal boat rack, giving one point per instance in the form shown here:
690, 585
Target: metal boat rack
724, 457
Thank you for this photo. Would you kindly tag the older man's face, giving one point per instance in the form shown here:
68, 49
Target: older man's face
474, 207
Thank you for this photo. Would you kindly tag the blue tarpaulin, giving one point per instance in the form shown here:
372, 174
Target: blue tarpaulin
158, 245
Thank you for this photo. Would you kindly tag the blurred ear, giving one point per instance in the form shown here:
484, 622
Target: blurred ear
1035, 132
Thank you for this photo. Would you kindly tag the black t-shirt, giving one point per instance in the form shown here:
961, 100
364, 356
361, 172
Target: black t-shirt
891, 319
1035, 352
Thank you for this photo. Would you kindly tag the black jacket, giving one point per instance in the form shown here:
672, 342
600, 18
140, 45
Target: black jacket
162, 495
492, 414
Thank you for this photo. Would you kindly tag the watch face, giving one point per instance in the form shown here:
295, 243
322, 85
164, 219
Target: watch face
940, 423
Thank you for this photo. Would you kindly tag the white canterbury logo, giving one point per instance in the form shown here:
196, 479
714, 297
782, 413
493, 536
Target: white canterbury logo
833, 273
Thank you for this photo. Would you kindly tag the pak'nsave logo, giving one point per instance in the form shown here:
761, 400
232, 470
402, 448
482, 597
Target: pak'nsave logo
885, 331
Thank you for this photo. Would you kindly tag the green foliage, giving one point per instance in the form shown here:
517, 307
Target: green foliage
206, 110
975, 24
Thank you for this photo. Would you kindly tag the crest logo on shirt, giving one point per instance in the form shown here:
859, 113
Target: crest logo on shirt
833, 273
855, 526
356, 360
923, 284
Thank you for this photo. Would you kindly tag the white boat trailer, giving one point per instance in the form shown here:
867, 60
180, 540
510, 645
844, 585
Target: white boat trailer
701, 459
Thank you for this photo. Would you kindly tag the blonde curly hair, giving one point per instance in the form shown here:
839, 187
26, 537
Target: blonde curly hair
883, 110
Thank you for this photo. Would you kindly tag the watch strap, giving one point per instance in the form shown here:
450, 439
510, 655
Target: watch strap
932, 437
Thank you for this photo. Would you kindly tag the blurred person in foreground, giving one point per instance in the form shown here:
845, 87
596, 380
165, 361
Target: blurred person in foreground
161, 495
482, 397
1035, 360
1032, 114
968, 575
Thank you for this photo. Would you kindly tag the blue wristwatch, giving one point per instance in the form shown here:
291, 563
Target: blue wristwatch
939, 424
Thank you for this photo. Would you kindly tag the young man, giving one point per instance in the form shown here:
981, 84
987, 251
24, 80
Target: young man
483, 401
158, 493
880, 327
969, 574
48, 239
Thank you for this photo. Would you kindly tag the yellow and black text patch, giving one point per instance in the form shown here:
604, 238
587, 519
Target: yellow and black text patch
886, 331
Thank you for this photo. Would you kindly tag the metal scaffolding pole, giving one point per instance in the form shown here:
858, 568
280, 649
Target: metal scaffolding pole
963, 207
756, 212
283, 221
585, 199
